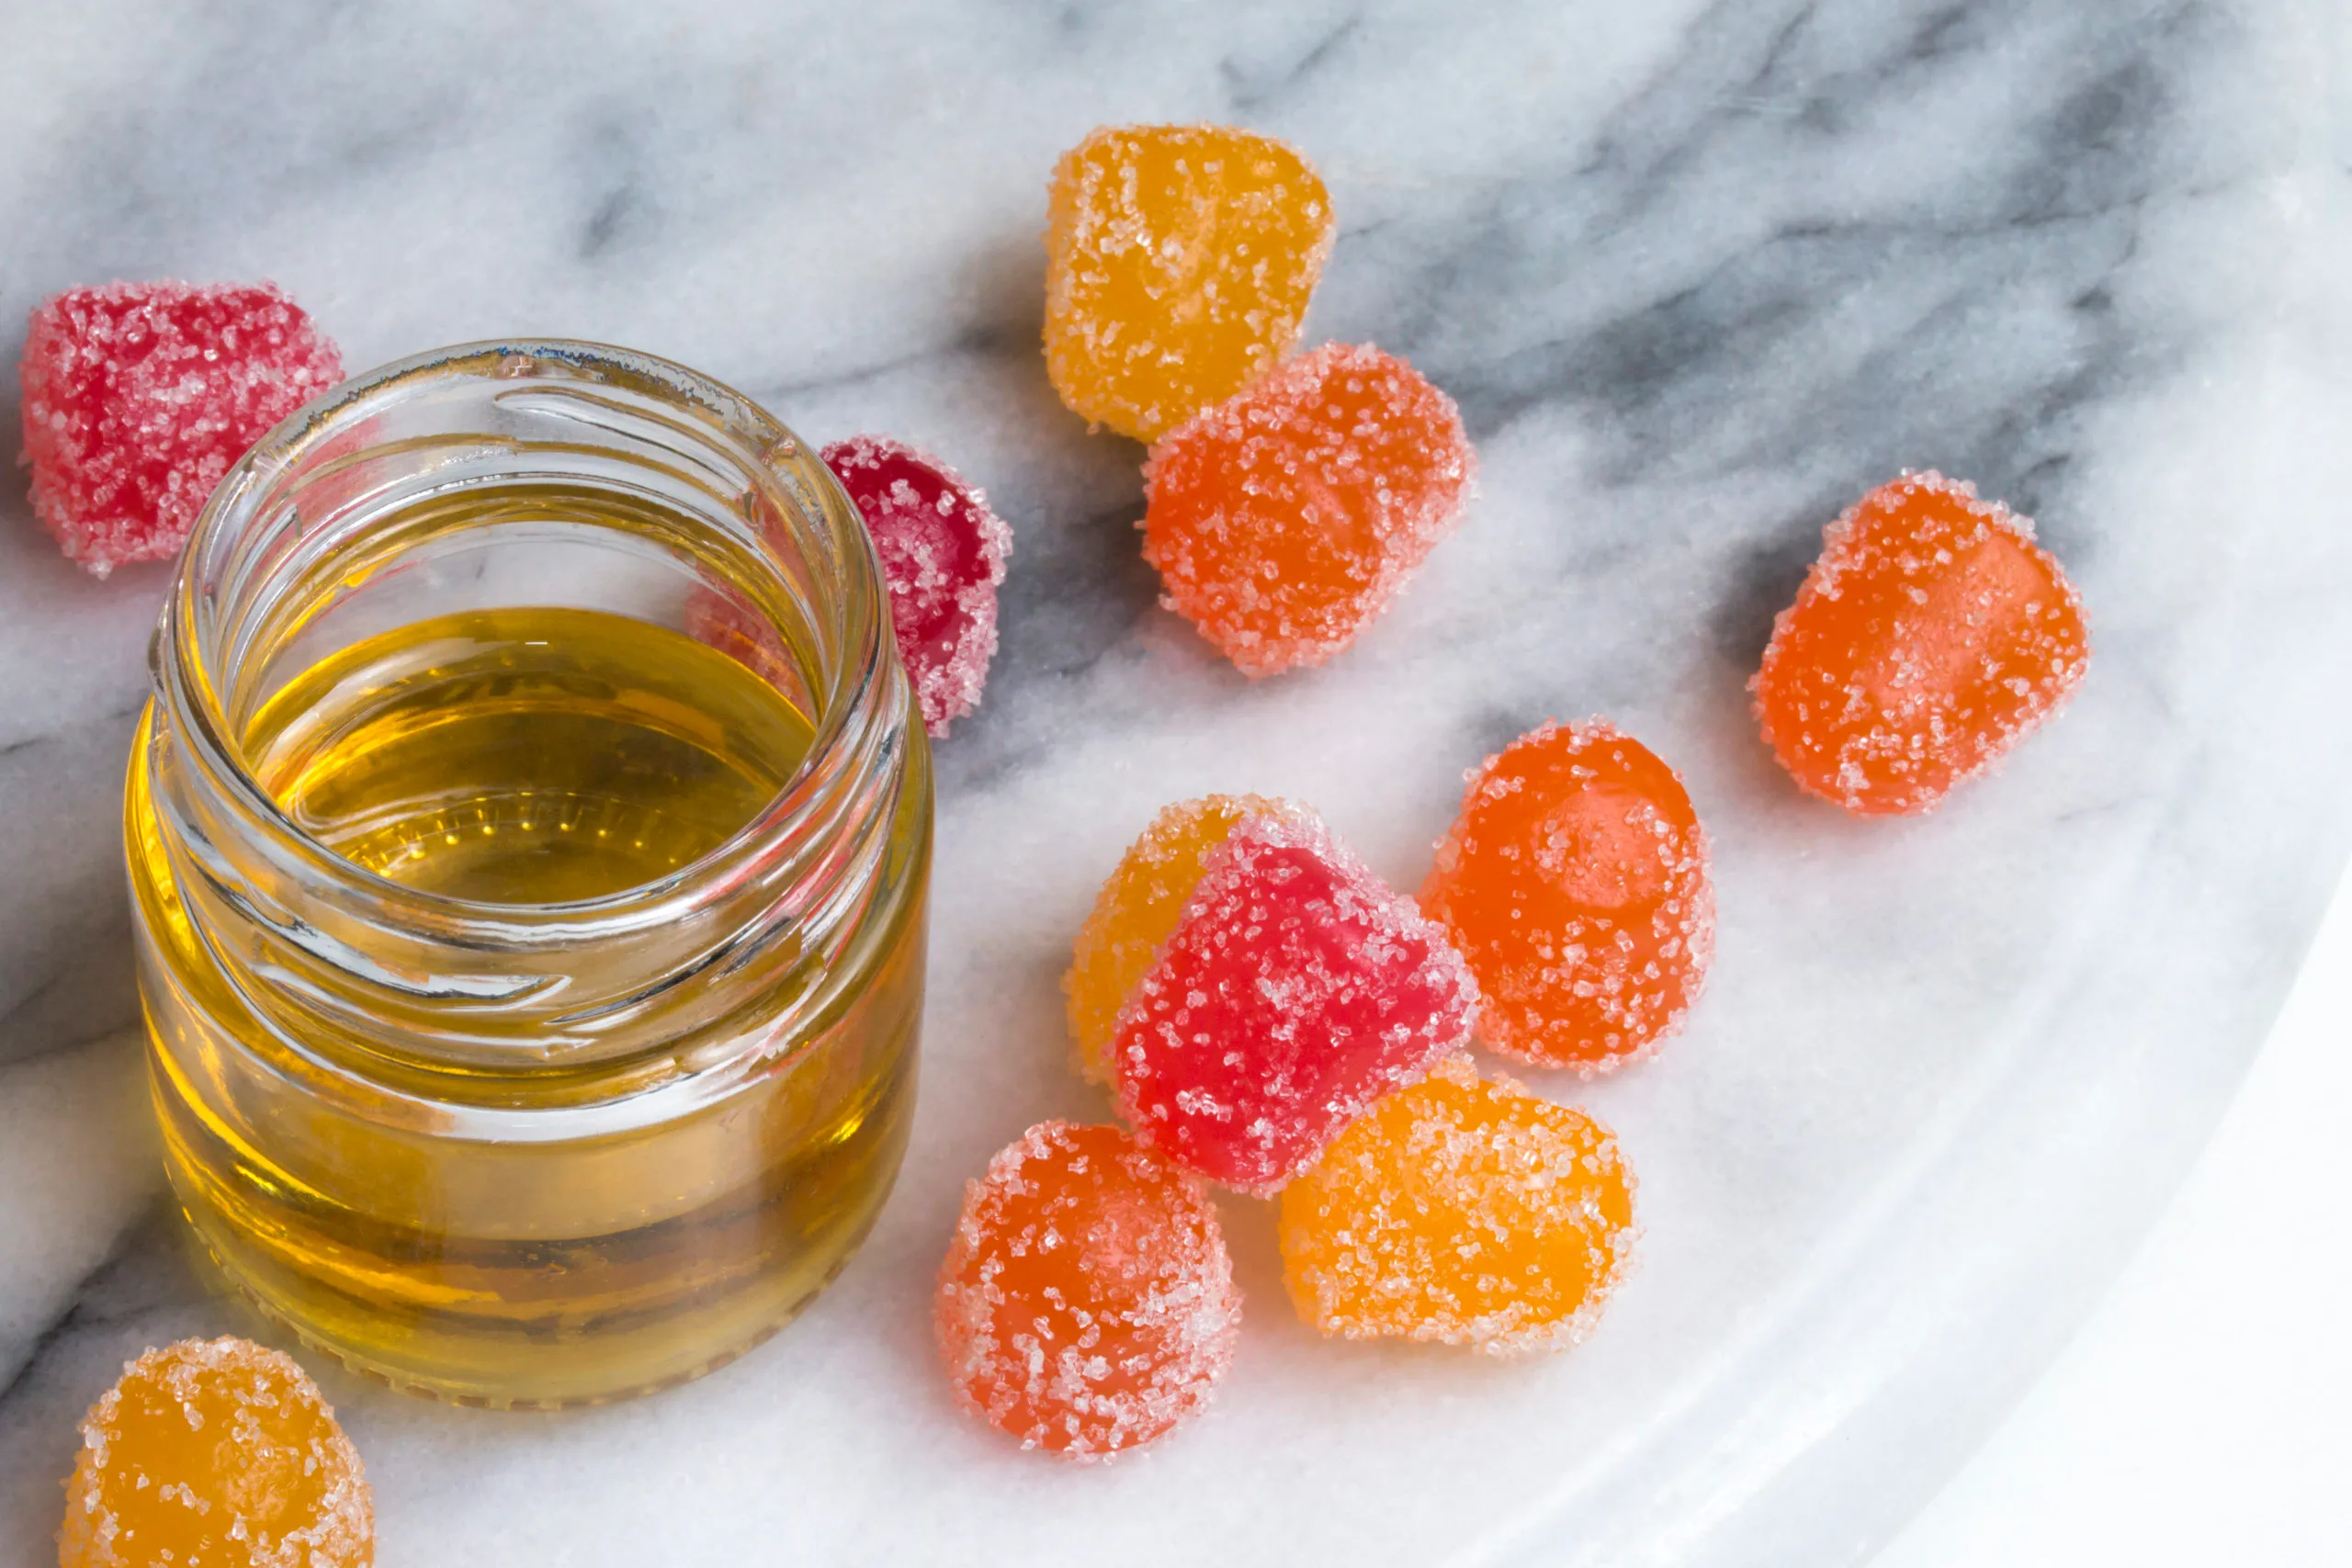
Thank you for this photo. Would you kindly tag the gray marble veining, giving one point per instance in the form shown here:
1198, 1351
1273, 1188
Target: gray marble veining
1698, 274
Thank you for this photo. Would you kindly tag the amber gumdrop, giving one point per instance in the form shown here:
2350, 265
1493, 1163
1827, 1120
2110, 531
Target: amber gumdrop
216, 1454
1574, 882
1087, 1303
1136, 909
1178, 262
1284, 519
1931, 636
1464, 1210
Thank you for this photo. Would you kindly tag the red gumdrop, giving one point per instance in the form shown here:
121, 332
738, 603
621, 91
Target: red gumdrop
1087, 1304
138, 397
943, 553
1296, 990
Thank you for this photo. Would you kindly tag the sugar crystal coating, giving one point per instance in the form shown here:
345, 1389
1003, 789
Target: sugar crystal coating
1296, 990
1463, 1210
943, 554
216, 1454
1930, 637
1285, 519
1137, 908
1574, 882
1179, 264
138, 397
1087, 1304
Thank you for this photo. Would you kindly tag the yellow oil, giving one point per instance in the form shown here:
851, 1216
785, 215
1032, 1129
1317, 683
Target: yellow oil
525, 756
532, 756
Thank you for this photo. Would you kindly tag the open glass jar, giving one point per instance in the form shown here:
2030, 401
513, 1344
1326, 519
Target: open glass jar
529, 837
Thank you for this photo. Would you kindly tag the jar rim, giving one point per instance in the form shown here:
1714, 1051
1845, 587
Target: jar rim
851, 721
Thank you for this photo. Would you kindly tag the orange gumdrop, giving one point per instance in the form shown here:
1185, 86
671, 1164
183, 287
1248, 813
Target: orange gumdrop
1930, 637
1136, 911
1283, 520
220, 1453
1574, 882
1087, 1303
1178, 262
1464, 1210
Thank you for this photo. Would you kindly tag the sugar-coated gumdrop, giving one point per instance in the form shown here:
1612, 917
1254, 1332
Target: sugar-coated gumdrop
139, 396
217, 1453
943, 553
1087, 1303
1464, 1210
1294, 991
1933, 635
1178, 262
1574, 882
1284, 519
1136, 909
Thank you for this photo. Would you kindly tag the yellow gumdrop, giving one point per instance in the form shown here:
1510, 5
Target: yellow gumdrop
1178, 262
1464, 1210
1136, 909
216, 1452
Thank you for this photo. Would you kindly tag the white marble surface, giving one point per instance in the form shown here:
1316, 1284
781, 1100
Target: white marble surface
1697, 274
2199, 1416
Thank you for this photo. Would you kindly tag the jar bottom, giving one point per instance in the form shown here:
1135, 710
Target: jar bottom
702, 1290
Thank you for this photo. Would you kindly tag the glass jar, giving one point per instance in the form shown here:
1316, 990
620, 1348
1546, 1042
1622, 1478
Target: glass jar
529, 837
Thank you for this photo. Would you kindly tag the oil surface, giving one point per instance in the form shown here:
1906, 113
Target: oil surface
528, 757
525, 756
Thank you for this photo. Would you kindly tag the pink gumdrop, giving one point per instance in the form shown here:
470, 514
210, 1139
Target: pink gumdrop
139, 396
943, 553
1296, 990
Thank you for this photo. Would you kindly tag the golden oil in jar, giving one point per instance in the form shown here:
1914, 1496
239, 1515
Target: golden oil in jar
549, 1035
525, 756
